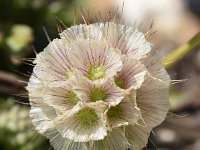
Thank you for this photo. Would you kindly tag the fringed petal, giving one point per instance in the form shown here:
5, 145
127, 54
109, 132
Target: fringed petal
124, 113
58, 142
128, 40
115, 140
137, 136
154, 65
53, 64
83, 125
62, 97
42, 116
95, 59
41, 113
82, 32
153, 101
132, 74
98, 91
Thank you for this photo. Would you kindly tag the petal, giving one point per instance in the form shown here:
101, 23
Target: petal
127, 39
41, 114
154, 65
95, 59
124, 113
153, 101
81, 32
35, 87
83, 125
62, 97
53, 64
60, 143
132, 74
98, 91
114, 141
137, 136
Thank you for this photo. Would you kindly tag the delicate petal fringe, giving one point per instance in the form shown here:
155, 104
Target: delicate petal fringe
127, 113
132, 74
41, 113
70, 126
62, 97
154, 65
137, 136
58, 142
153, 101
95, 53
128, 40
82, 32
53, 64
113, 94
115, 140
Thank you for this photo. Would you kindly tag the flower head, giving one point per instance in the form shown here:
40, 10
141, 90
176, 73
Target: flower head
100, 86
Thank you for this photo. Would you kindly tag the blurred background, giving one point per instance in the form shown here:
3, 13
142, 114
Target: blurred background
22, 24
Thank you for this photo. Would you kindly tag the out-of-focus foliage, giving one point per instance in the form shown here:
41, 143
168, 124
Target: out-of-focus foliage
21, 25
16, 129
21, 36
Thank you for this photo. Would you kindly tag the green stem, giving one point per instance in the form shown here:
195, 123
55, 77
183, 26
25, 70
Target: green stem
179, 53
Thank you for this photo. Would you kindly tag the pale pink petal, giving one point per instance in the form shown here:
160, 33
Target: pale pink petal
58, 142
124, 113
62, 97
81, 32
72, 127
127, 39
132, 74
112, 94
53, 64
40, 113
137, 136
95, 59
153, 101
154, 65
115, 140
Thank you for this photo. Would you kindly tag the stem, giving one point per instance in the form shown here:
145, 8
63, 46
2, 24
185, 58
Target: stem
179, 53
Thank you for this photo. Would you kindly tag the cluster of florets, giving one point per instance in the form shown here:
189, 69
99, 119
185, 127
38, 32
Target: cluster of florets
99, 87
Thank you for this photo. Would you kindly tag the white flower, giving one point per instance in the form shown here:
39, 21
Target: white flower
98, 87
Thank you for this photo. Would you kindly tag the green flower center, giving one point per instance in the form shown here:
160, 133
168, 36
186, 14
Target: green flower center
95, 73
73, 99
98, 94
114, 111
68, 75
87, 116
119, 82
